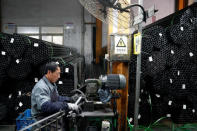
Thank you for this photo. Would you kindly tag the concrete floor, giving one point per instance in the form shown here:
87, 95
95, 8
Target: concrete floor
12, 128
7, 128
167, 126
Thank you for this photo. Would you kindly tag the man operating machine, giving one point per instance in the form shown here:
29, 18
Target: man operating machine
95, 95
45, 99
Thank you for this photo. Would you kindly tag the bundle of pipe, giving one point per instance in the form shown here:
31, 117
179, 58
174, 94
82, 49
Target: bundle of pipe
163, 106
24, 52
19, 96
3, 107
71, 75
181, 33
170, 67
66, 82
133, 63
14, 45
13, 51
5, 61
192, 80
162, 83
170, 103
187, 17
144, 116
155, 63
22, 65
69, 66
42, 51
184, 111
159, 110
156, 36
173, 53
19, 69
184, 115
22, 103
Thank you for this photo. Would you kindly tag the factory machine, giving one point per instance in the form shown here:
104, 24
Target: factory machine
97, 102
97, 99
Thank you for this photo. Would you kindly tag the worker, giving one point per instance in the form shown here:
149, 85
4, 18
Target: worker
45, 99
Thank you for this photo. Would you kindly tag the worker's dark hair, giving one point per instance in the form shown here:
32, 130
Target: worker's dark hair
52, 66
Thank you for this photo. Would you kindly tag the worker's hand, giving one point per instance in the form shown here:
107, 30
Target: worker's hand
74, 107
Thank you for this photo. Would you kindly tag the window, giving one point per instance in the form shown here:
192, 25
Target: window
54, 30
58, 39
29, 31
47, 38
50, 34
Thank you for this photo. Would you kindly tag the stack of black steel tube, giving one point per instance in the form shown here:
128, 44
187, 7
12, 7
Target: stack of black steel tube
155, 63
14, 45
66, 82
144, 116
169, 67
22, 62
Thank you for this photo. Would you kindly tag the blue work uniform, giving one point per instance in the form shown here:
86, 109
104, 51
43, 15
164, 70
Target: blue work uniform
46, 100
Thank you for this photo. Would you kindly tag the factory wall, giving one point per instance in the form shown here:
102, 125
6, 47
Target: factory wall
165, 7
51, 13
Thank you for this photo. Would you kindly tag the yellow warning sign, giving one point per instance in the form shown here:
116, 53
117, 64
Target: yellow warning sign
121, 43
137, 43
